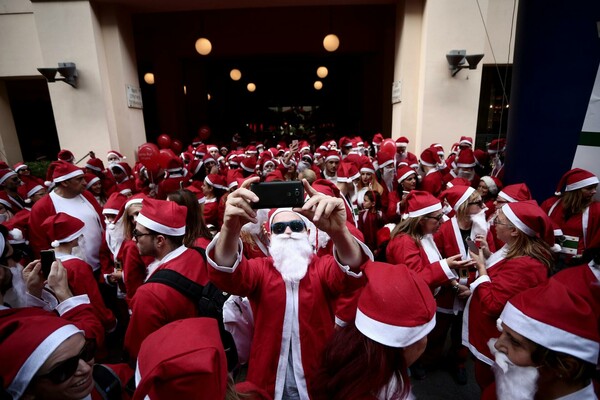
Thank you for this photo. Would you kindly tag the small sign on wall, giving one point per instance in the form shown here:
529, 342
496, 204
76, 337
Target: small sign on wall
396, 92
134, 97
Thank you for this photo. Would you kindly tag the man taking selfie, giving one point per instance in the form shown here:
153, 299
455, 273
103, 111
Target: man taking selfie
291, 291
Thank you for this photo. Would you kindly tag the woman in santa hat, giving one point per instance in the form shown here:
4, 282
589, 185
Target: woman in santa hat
575, 212
488, 188
369, 359
524, 262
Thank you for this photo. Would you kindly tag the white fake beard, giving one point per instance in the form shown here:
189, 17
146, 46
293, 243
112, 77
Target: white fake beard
446, 209
262, 216
388, 177
16, 296
114, 236
79, 250
468, 175
512, 382
291, 255
480, 225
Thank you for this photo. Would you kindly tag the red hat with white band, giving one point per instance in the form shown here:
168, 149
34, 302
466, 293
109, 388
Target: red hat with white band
419, 203
165, 217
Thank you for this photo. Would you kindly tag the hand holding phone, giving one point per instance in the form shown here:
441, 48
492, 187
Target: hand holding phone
278, 194
472, 245
47, 258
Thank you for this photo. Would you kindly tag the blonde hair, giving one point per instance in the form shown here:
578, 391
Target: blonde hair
462, 209
374, 185
128, 224
410, 227
531, 246
573, 203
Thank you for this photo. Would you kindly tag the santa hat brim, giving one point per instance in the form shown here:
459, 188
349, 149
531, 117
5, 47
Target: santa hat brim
391, 335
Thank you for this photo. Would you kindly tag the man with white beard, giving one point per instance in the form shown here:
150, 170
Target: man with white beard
548, 348
290, 292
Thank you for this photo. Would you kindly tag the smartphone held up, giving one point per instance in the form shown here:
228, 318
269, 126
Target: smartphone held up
278, 194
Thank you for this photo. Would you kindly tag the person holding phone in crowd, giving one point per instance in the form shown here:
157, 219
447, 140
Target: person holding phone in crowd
291, 291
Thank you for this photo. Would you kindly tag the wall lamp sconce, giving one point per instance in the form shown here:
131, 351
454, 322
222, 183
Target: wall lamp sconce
67, 70
458, 58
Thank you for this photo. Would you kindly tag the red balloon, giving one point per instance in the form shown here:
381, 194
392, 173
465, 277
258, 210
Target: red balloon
148, 155
204, 132
164, 141
176, 146
388, 145
165, 156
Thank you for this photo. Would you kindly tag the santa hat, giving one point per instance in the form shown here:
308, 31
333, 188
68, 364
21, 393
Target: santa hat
116, 154
208, 158
233, 176
466, 159
304, 145
377, 139
516, 192
193, 365
494, 184
28, 189
555, 317
166, 217
62, 171
19, 166
367, 166
114, 204
251, 150
481, 157
260, 146
331, 145
345, 142
420, 203
402, 141
497, 145
384, 158
332, 155
29, 337
457, 195
123, 166
216, 181
95, 164
430, 157
458, 181
200, 151
395, 315
574, 179
384, 234
347, 172
62, 228
466, 140
5, 174
5, 201
404, 172
274, 211
274, 176
223, 148
438, 147
65, 155
212, 147
196, 188
530, 219
248, 164
90, 179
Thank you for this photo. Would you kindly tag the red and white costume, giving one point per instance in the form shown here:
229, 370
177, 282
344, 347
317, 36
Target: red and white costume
292, 321
155, 304
490, 294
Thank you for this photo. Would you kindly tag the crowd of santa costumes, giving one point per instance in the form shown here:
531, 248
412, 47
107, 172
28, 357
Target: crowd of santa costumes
439, 211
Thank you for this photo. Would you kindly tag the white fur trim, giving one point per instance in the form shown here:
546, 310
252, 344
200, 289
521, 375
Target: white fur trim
492, 187
577, 185
68, 176
463, 165
332, 157
132, 202
35, 189
90, 183
550, 336
110, 211
372, 171
97, 169
6, 176
39, 356
160, 228
464, 197
391, 335
507, 197
219, 186
425, 210
406, 175
385, 164
512, 217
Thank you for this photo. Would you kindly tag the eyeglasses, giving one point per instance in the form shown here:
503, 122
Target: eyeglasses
496, 222
477, 203
67, 368
137, 234
279, 227
438, 218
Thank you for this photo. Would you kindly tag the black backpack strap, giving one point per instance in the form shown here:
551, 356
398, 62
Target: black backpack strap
177, 281
107, 383
201, 251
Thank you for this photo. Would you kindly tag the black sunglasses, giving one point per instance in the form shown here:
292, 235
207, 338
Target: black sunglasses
438, 218
136, 234
477, 203
67, 368
296, 226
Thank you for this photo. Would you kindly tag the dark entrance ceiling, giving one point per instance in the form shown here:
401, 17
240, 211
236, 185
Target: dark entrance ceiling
278, 49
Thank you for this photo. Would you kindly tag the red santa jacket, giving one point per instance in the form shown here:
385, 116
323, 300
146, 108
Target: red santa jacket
490, 294
43, 209
432, 183
134, 267
276, 326
155, 305
211, 212
81, 281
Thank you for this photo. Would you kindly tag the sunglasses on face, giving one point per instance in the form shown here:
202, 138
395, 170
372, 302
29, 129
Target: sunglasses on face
67, 368
279, 227
438, 218
477, 203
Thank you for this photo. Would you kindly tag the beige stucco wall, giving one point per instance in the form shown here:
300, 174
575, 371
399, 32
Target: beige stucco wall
436, 107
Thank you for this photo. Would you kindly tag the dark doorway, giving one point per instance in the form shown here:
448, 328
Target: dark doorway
494, 103
34, 119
